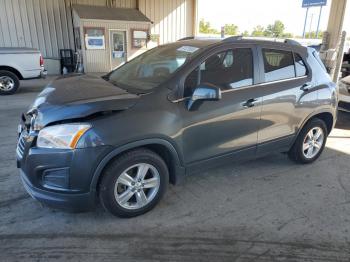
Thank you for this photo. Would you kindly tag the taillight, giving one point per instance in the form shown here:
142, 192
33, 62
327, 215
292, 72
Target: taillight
41, 60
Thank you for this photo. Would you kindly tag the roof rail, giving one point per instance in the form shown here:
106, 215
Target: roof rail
233, 38
186, 38
291, 42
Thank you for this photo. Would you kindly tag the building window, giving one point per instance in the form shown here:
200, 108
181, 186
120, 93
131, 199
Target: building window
94, 37
279, 64
139, 38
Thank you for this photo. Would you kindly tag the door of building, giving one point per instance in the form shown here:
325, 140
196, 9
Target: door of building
118, 48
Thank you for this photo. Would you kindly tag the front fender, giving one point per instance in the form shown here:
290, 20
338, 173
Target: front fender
179, 169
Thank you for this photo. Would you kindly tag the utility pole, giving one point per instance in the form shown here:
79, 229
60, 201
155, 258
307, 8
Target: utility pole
312, 18
318, 23
307, 12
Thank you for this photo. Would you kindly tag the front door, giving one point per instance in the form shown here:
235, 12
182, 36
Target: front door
227, 127
117, 48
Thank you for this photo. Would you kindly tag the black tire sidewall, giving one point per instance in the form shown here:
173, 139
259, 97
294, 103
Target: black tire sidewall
110, 176
14, 78
299, 157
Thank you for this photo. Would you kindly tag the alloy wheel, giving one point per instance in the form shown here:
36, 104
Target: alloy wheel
6, 83
313, 142
137, 186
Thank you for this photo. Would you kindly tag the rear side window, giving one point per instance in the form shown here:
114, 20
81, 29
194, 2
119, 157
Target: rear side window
300, 67
228, 70
278, 64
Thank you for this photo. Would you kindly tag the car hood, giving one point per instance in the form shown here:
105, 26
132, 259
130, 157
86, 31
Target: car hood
76, 97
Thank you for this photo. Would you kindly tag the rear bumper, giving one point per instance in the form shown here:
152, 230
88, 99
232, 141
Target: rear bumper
71, 202
43, 73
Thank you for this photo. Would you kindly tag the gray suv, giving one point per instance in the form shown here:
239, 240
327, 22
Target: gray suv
174, 110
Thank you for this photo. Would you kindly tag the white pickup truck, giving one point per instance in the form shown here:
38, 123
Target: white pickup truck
19, 64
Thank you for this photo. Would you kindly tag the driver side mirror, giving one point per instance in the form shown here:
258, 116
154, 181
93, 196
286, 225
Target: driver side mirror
204, 92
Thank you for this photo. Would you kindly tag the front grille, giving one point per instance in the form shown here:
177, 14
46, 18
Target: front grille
21, 145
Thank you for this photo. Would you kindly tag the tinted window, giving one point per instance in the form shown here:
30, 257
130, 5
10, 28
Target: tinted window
300, 67
228, 69
278, 64
151, 68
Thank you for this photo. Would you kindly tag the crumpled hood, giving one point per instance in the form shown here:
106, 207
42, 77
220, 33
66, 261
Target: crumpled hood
78, 96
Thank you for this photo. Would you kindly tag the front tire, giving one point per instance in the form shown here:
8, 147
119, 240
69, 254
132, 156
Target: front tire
310, 142
9, 83
134, 183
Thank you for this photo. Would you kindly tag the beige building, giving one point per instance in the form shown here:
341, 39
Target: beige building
51, 25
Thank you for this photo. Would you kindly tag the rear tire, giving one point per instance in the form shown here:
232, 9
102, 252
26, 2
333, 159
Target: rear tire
310, 142
134, 183
9, 82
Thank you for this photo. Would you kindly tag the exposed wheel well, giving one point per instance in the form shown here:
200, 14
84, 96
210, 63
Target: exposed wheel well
159, 149
11, 69
327, 118
164, 153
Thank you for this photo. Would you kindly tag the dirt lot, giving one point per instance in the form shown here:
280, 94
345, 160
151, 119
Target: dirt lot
268, 209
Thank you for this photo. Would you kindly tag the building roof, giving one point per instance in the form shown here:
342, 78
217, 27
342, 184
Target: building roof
110, 13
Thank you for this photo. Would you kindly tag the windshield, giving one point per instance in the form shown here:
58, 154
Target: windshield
151, 68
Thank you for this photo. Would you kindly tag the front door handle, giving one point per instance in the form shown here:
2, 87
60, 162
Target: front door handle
249, 103
306, 87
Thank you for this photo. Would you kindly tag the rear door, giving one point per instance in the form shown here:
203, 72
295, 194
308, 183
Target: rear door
287, 96
219, 128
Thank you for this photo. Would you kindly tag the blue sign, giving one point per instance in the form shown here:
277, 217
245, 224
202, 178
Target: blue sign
311, 3
95, 41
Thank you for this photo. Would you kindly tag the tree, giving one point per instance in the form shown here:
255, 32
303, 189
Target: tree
313, 35
205, 27
230, 29
275, 30
245, 33
258, 31
287, 35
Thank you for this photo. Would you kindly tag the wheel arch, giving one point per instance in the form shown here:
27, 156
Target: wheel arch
326, 115
160, 146
12, 70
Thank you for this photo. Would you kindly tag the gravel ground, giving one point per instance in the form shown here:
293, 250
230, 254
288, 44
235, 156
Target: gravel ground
268, 209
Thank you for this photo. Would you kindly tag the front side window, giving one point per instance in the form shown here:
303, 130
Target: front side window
300, 67
228, 69
278, 64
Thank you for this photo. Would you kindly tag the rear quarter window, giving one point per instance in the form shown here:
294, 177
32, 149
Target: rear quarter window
278, 64
300, 67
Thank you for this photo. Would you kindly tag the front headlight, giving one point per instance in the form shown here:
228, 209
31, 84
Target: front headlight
65, 136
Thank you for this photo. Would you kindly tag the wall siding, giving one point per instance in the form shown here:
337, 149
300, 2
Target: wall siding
43, 24
99, 60
47, 24
173, 19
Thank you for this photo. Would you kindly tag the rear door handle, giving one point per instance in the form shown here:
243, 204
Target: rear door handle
249, 103
306, 87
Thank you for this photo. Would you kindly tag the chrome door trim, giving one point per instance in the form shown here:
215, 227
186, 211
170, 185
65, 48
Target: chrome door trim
246, 87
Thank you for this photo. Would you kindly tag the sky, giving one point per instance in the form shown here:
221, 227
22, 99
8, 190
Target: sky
247, 14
